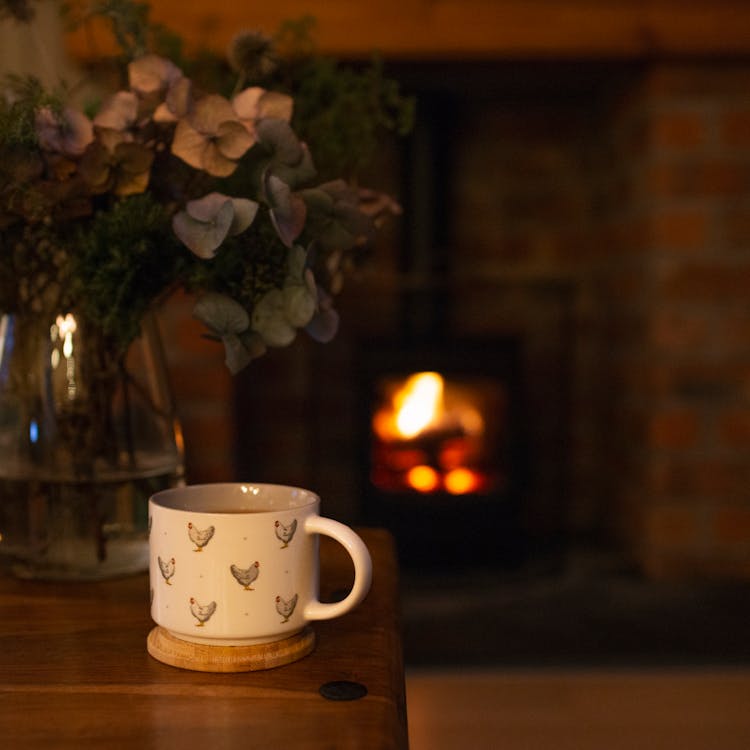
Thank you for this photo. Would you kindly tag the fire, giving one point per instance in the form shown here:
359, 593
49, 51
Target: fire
461, 481
416, 405
428, 435
423, 478
419, 404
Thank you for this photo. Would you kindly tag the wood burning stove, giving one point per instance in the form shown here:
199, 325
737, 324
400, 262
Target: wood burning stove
442, 452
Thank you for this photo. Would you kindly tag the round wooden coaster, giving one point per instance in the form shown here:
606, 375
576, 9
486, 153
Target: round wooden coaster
165, 647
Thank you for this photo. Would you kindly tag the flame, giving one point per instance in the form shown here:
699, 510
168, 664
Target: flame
429, 434
417, 404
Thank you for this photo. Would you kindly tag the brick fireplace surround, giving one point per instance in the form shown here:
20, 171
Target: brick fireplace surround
602, 212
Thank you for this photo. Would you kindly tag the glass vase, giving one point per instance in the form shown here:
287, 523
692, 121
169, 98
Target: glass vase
88, 432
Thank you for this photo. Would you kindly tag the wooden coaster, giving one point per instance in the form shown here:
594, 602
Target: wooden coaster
165, 647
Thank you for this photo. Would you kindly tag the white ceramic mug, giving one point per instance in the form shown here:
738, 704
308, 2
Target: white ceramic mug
236, 564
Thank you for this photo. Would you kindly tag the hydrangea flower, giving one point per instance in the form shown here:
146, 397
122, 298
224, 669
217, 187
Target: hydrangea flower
270, 322
288, 211
114, 163
339, 224
177, 103
324, 324
287, 157
256, 103
68, 132
229, 322
152, 74
211, 137
299, 292
119, 112
280, 312
205, 223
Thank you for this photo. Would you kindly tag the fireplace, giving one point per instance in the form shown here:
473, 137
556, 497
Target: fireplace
442, 454
595, 215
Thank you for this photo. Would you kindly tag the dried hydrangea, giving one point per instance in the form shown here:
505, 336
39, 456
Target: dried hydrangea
171, 184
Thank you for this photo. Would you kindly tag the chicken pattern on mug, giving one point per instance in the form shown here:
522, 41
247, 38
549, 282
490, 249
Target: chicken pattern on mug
201, 612
285, 533
200, 537
286, 607
246, 576
167, 568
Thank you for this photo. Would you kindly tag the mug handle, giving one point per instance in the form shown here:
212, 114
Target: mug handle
360, 555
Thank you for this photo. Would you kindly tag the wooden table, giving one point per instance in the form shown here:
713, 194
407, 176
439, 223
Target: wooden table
74, 673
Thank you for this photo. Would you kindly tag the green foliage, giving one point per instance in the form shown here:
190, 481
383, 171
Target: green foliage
342, 112
245, 267
128, 20
122, 260
24, 96
294, 39
130, 23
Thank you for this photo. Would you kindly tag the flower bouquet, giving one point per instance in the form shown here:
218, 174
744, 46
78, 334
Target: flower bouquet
234, 181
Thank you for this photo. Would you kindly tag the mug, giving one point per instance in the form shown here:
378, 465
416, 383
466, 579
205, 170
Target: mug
235, 564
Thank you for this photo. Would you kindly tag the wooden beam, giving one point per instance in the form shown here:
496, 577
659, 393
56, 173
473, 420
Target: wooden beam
480, 29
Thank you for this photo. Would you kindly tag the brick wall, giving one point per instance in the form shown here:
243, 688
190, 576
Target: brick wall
687, 504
